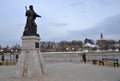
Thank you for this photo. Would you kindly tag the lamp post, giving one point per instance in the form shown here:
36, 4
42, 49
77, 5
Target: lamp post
3, 57
12, 55
16, 58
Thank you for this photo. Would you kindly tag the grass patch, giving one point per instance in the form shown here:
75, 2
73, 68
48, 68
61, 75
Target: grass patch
7, 63
109, 64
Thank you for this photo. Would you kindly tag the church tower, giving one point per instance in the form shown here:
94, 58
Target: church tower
101, 36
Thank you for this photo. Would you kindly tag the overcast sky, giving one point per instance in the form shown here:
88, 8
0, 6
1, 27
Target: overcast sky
61, 19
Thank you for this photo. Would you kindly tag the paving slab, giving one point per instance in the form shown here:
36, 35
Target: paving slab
66, 71
81, 72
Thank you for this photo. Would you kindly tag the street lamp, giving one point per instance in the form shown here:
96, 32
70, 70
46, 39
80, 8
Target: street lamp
12, 55
2, 58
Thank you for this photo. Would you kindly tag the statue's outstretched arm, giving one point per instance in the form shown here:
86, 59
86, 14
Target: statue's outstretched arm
37, 15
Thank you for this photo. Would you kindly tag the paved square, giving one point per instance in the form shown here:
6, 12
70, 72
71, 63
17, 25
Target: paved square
67, 72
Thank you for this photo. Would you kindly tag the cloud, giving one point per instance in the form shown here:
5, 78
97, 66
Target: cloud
55, 24
108, 2
62, 19
110, 28
77, 3
112, 25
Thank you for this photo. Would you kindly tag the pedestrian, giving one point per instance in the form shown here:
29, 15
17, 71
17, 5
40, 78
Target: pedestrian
84, 57
17, 57
3, 57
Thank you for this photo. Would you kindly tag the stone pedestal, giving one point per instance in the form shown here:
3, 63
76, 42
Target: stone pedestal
30, 63
30, 43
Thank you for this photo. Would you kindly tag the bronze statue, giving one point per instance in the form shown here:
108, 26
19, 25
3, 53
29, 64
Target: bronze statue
31, 27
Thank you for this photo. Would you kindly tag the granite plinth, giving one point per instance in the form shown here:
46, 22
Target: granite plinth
30, 62
30, 42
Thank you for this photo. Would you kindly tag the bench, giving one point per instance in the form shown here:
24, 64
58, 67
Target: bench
115, 61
